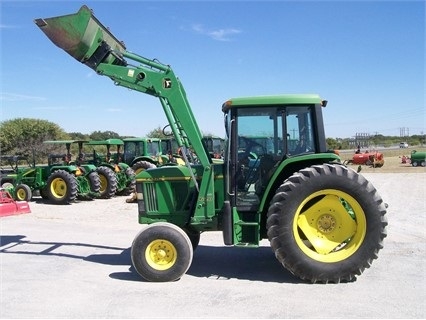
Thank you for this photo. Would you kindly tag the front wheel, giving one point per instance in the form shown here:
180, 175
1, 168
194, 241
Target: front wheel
326, 224
23, 193
161, 252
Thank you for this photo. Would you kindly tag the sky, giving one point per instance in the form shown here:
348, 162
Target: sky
367, 58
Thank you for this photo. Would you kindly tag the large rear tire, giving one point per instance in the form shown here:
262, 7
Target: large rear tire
161, 252
326, 223
131, 183
62, 187
108, 182
142, 165
94, 183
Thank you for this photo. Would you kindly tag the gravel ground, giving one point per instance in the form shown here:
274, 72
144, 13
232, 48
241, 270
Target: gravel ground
73, 262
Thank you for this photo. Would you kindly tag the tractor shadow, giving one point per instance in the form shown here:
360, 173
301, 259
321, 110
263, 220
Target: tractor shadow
217, 263
225, 263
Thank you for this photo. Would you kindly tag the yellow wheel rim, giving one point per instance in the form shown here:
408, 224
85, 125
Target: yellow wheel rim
58, 188
161, 254
104, 183
21, 194
332, 228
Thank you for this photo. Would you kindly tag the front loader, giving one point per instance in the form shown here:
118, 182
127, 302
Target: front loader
325, 222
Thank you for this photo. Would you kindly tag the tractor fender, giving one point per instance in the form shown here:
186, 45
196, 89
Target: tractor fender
289, 166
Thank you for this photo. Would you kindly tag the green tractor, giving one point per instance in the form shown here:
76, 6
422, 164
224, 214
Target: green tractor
143, 153
11, 179
59, 181
325, 222
117, 177
88, 180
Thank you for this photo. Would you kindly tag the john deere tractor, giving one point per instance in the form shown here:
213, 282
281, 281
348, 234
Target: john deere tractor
117, 177
324, 221
88, 181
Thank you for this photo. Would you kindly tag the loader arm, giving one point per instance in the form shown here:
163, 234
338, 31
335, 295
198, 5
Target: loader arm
83, 37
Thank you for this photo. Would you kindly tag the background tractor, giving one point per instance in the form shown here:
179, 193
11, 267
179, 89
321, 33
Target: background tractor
143, 153
88, 181
325, 222
11, 178
117, 177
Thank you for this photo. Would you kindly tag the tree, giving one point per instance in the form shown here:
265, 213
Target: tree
159, 133
78, 136
103, 135
25, 136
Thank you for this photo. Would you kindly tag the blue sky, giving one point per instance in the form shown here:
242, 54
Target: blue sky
367, 58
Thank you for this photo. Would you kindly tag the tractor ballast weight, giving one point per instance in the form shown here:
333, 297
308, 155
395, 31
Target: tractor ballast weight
324, 221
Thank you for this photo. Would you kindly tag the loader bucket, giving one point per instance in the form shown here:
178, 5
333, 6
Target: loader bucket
83, 37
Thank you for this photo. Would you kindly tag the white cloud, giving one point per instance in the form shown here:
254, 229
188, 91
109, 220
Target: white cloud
4, 96
218, 34
114, 109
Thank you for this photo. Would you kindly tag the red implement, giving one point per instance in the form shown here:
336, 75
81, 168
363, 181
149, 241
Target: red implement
8, 206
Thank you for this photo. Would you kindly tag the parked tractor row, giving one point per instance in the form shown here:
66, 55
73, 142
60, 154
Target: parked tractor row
109, 168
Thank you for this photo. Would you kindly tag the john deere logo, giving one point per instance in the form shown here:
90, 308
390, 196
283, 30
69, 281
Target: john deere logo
167, 83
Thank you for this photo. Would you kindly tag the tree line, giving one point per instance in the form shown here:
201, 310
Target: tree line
25, 136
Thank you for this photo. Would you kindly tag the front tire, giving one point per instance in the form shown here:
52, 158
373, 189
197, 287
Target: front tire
23, 193
326, 224
161, 252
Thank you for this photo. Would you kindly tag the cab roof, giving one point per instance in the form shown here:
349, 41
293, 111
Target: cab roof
272, 100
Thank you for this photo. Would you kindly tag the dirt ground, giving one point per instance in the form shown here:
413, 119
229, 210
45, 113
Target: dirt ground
392, 164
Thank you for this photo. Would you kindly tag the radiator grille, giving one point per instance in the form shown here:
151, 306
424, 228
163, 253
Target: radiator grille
151, 204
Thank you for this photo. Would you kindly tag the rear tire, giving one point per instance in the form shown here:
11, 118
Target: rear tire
62, 187
161, 252
131, 185
326, 224
94, 183
108, 182
142, 165
23, 193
